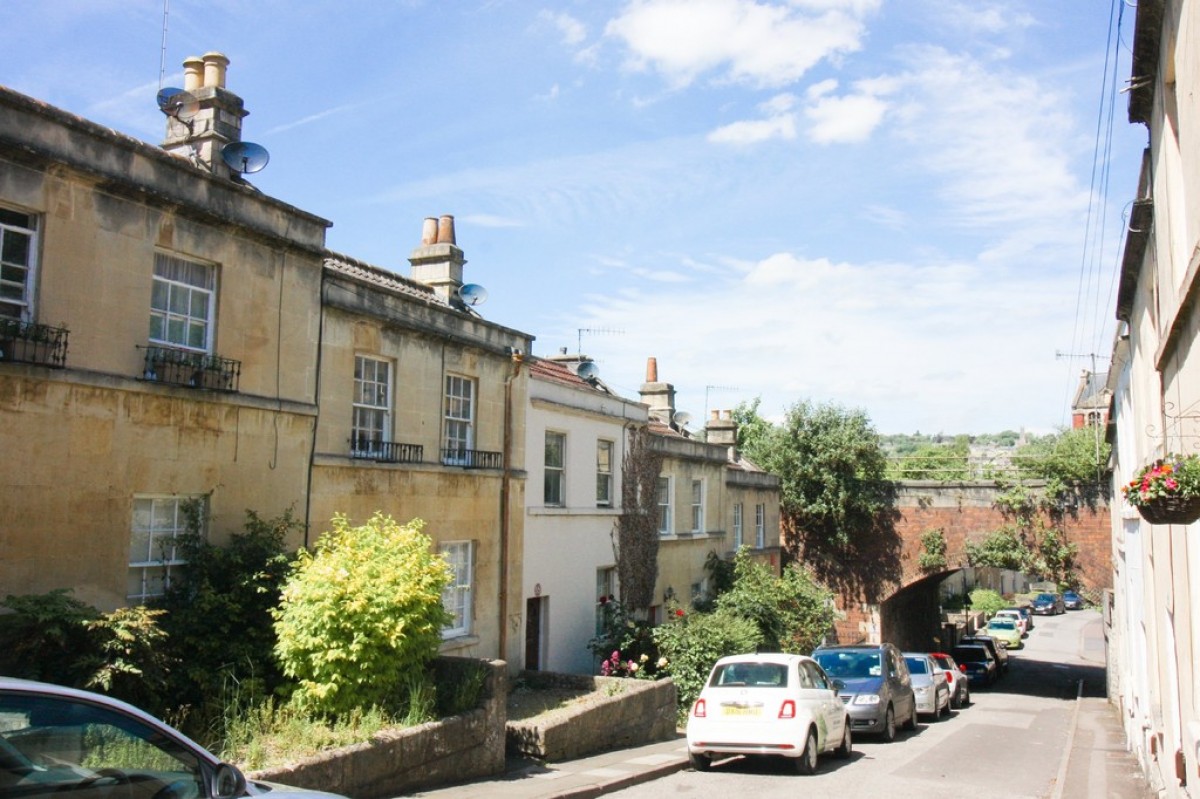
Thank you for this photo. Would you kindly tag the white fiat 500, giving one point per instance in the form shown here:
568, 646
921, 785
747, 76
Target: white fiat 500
768, 704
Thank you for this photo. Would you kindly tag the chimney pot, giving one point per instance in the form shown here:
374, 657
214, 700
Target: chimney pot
715, 415
445, 230
652, 370
214, 69
429, 231
193, 73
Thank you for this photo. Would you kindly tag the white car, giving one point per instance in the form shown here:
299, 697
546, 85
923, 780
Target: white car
768, 704
1021, 622
59, 742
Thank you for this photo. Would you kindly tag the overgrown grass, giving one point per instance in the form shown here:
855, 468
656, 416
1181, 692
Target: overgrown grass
269, 734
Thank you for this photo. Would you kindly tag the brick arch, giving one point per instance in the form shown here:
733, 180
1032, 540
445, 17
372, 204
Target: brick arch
964, 512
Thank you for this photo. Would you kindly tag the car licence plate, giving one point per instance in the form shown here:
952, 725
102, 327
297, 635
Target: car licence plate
741, 710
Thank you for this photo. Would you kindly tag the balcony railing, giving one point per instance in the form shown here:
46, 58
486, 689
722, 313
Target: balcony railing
26, 342
471, 458
386, 451
191, 369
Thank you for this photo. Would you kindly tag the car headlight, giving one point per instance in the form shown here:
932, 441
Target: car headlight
866, 699
922, 690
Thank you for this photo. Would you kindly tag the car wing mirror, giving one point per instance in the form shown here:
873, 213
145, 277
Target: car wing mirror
838, 684
228, 782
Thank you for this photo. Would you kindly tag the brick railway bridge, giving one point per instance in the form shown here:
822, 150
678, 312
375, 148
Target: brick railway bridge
905, 607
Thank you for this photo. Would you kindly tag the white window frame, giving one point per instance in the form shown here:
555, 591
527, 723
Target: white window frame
458, 596
760, 526
698, 506
179, 284
371, 421
158, 521
18, 294
554, 481
663, 498
604, 472
737, 527
459, 431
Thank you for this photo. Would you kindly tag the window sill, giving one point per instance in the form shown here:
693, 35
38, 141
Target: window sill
457, 642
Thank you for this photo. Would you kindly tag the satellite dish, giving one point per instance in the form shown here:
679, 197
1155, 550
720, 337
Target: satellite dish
587, 370
245, 157
178, 104
472, 294
681, 418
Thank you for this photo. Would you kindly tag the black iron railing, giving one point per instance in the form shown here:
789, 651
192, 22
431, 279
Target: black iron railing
471, 458
386, 451
192, 369
26, 342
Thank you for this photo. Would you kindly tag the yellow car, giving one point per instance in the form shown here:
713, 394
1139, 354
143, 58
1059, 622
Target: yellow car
1004, 630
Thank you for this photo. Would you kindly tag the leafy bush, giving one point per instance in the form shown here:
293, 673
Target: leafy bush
361, 615
690, 643
218, 613
625, 645
44, 637
933, 550
987, 601
792, 612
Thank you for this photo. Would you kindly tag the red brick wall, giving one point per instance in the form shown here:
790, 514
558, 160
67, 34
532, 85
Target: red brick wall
967, 513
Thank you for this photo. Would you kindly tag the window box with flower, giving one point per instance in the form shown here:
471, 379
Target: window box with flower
1167, 491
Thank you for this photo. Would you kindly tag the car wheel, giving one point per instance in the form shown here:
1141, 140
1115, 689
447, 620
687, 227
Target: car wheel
699, 762
956, 700
846, 748
807, 762
966, 700
889, 725
911, 724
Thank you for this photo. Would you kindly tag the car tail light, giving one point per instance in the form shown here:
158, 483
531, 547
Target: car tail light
700, 710
963, 668
788, 711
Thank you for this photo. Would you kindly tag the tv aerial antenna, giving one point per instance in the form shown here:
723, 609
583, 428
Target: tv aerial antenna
708, 389
594, 331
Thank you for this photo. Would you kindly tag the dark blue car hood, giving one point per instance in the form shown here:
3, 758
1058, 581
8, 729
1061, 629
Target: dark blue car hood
862, 685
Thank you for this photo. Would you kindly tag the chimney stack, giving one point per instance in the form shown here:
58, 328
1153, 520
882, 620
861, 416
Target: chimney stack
722, 429
659, 396
437, 261
217, 122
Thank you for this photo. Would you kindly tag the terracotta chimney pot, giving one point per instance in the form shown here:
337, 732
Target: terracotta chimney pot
445, 230
429, 231
651, 370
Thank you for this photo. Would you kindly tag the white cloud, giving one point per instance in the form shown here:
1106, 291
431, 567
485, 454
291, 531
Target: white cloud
761, 44
844, 119
572, 31
779, 123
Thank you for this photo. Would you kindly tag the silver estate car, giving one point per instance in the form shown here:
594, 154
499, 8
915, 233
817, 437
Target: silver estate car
876, 687
58, 742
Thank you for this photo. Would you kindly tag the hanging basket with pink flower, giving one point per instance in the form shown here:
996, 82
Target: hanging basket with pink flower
1167, 491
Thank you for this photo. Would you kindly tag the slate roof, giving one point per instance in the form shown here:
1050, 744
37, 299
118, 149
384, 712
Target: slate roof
383, 278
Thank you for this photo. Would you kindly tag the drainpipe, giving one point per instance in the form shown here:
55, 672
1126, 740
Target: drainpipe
518, 358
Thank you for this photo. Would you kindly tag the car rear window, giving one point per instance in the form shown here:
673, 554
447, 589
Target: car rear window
1002, 624
970, 654
850, 665
770, 675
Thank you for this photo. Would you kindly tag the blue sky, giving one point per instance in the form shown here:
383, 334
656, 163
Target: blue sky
912, 207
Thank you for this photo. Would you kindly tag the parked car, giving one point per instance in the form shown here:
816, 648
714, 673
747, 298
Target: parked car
1026, 614
1021, 622
769, 704
999, 653
875, 685
1072, 601
62, 741
1006, 631
956, 678
930, 686
1048, 604
976, 661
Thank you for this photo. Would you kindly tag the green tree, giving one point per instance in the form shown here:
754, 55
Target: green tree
830, 465
933, 550
946, 462
793, 612
362, 616
987, 601
1001, 549
1074, 464
635, 532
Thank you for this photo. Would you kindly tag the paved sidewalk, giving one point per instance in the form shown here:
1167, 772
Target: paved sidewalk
575, 779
